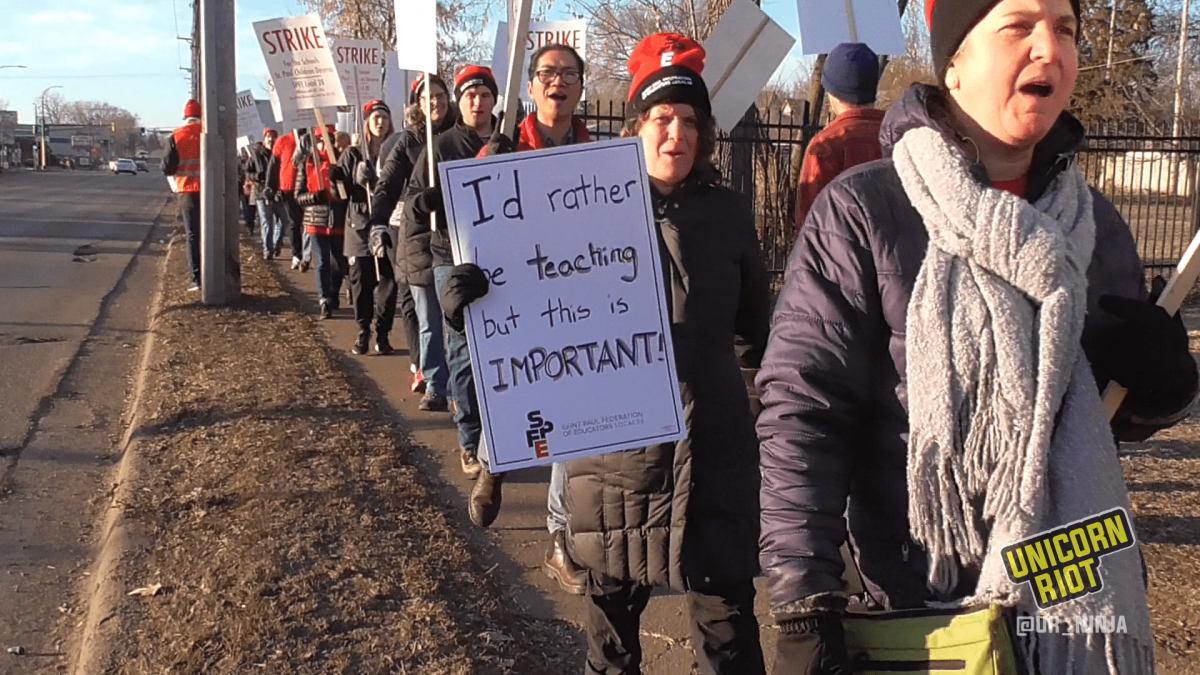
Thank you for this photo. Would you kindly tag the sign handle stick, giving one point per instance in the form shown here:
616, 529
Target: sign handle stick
516, 57
1171, 298
851, 22
429, 147
716, 88
330, 148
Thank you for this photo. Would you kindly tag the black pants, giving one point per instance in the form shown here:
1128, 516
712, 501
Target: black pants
373, 297
296, 217
724, 629
189, 213
408, 322
249, 213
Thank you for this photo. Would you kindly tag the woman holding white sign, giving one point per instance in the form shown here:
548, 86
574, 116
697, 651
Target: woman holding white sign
683, 515
930, 391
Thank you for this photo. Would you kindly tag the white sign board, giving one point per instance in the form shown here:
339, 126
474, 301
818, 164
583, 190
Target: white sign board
416, 35
742, 53
295, 119
360, 65
540, 34
249, 124
825, 24
300, 63
396, 85
572, 344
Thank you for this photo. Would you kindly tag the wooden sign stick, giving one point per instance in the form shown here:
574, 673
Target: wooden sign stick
1171, 298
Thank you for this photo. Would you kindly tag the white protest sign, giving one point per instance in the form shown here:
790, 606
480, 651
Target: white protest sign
300, 64
825, 24
416, 35
397, 83
294, 119
360, 65
540, 34
572, 344
249, 123
742, 53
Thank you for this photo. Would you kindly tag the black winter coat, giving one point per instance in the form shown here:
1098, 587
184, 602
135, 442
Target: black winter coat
834, 428
684, 514
422, 247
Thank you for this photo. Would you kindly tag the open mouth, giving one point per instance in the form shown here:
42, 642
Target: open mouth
1039, 89
557, 96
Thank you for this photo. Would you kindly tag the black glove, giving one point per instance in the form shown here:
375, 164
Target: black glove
364, 173
1147, 353
427, 201
467, 283
269, 195
336, 173
379, 241
498, 144
814, 645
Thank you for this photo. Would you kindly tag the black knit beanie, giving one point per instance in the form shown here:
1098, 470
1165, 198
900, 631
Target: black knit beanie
950, 21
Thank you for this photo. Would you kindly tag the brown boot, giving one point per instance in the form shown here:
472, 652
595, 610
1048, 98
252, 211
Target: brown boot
559, 566
484, 504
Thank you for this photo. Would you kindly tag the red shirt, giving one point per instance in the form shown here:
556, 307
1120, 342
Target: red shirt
849, 140
1016, 186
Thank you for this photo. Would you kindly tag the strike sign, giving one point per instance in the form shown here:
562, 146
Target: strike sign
300, 63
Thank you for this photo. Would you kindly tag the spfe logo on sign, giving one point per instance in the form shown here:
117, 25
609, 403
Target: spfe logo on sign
1064, 563
535, 436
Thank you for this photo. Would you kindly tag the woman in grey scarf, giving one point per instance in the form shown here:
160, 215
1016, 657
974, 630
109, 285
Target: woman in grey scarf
931, 386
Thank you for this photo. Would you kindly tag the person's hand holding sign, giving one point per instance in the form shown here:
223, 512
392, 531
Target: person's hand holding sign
498, 144
427, 201
467, 283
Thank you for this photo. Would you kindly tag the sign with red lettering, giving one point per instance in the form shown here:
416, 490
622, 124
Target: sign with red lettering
540, 34
300, 63
571, 346
360, 65
249, 123
416, 35
287, 120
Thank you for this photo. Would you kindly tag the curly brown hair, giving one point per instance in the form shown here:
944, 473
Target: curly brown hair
707, 143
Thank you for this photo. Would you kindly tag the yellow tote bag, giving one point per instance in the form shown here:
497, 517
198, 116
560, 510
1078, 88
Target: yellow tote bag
932, 641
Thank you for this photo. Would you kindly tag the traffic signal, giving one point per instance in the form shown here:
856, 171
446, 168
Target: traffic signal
143, 132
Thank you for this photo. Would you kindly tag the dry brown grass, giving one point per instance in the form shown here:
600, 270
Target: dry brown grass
286, 518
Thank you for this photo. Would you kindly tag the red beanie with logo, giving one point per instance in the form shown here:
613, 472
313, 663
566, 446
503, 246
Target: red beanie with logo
376, 105
666, 68
474, 76
191, 108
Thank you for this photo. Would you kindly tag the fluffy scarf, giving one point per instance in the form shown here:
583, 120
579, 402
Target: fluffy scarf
1007, 434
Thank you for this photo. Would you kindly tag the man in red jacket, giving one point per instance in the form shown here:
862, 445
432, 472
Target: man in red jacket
851, 77
182, 161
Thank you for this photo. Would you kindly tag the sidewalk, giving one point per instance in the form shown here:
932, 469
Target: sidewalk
519, 534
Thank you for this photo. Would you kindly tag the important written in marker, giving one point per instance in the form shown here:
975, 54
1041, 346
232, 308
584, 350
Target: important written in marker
575, 324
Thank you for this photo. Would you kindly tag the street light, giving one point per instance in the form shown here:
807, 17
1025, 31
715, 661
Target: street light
43, 97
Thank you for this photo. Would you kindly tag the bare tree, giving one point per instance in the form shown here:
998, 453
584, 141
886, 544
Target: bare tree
52, 108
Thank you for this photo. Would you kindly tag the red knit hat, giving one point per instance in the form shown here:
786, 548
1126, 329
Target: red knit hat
666, 68
372, 106
191, 108
418, 86
474, 76
269, 132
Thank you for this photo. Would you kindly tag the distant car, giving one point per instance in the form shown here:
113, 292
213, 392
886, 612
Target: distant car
143, 154
123, 165
141, 165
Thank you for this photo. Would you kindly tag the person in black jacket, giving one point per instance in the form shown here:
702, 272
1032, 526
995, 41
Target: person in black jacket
931, 387
419, 312
256, 173
428, 253
372, 277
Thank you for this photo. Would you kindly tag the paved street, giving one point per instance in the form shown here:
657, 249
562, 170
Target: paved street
72, 316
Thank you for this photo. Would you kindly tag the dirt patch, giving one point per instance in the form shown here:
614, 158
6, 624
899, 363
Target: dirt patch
287, 519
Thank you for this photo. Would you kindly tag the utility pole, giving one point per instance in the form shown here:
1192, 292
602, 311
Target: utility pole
196, 49
220, 269
1180, 69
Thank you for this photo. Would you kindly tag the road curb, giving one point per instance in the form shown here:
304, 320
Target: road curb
117, 533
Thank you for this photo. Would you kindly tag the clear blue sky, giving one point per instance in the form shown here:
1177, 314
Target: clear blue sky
126, 52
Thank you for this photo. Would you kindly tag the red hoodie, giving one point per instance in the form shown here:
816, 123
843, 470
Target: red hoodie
284, 148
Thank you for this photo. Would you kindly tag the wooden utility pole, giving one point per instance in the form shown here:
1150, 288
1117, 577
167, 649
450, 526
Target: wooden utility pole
1180, 69
220, 269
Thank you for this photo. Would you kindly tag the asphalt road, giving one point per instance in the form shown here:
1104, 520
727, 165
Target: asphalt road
78, 268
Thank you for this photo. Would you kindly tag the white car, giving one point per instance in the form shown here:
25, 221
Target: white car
123, 165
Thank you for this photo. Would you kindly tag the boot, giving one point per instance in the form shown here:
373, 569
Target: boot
484, 504
558, 565
383, 345
362, 344
470, 462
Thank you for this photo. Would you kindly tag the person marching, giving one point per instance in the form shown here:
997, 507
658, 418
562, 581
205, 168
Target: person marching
851, 78
555, 86
948, 317
420, 313
281, 184
428, 251
325, 221
256, 173
372, 278
182, 161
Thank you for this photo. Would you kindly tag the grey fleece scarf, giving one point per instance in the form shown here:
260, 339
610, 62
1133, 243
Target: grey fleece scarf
1007, 436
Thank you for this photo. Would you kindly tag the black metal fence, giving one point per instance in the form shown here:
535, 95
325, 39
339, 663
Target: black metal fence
1153, 179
